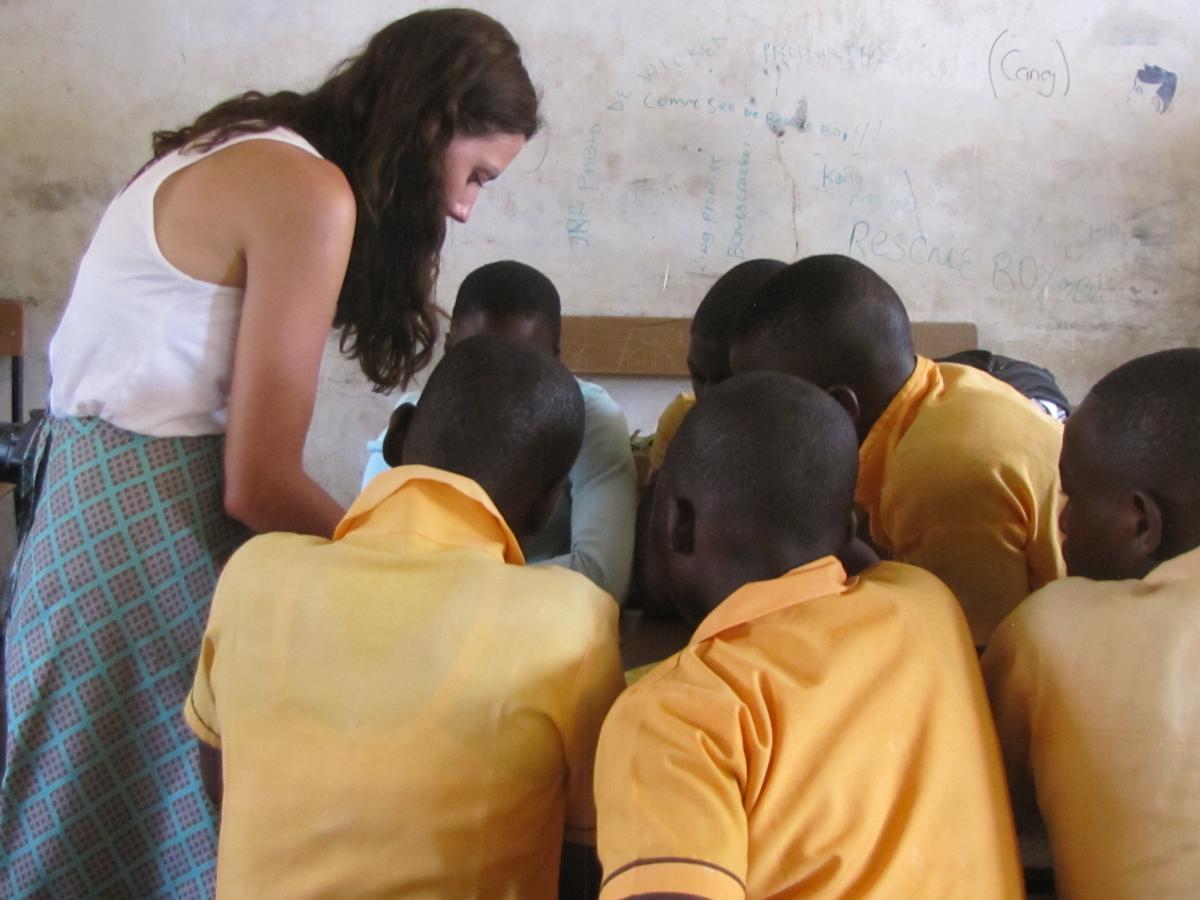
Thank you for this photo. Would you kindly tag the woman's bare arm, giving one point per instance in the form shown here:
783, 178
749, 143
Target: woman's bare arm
280, 221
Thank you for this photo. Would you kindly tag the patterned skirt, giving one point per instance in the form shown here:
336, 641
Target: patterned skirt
101, 794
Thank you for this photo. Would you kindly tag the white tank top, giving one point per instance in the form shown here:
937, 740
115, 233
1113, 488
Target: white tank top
141, 344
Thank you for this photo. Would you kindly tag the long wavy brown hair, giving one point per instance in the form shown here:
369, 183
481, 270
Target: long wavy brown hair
385, 117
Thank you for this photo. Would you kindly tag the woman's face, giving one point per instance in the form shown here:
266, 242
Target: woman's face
472, 161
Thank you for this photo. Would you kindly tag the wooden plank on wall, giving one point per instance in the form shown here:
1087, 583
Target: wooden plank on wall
619, 345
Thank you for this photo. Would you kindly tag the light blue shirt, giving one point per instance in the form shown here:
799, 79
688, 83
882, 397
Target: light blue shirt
592, 528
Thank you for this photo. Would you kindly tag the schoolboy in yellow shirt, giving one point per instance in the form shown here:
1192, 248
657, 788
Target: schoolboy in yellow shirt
708, 364
407, 710
821, 736
1093, 679
591, 529
957, 470
708, 344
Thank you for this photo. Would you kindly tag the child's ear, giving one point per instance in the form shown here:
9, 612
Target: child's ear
681, 525
848, 400
1147, 529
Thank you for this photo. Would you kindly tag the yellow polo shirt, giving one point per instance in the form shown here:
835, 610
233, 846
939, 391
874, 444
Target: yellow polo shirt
960, 476
405, 710
1094, 688
668, 423
819, 737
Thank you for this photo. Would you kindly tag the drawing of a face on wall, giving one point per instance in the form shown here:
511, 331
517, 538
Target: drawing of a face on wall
1146, 79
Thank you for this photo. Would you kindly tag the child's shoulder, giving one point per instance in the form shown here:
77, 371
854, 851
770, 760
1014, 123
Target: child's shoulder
902, 578
251, 578
978, 427
674, 412
556, 593
265, 554
971, 397
687, 685
918, 600
1065, 607
668, 424
597, 402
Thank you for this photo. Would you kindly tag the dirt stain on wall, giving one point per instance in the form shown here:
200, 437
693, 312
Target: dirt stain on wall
58, 196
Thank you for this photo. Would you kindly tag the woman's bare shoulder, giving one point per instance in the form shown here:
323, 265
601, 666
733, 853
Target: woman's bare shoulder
209, 214
289, 177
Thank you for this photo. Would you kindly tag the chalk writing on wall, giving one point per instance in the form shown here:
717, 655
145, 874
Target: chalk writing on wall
708, 216
1006, 271
682, 59
841, 149
789, 55
618, 105
1021, 68
578, 222
741, 209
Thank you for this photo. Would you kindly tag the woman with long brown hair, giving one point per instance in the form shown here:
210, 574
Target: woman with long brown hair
184, 374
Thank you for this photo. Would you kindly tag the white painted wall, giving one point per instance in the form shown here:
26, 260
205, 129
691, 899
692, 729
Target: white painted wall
1061, 206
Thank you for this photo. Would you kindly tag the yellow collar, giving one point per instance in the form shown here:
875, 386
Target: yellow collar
442, 506
819, 578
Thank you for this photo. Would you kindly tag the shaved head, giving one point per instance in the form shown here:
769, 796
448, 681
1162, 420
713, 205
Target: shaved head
712, 326
719, 310
504, 413
495, 295
1148, 412
765, 467
1129, 468
832, 321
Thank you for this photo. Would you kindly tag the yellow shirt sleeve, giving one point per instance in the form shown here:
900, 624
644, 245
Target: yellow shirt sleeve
200, 706
600, 681
668, 423
668, 791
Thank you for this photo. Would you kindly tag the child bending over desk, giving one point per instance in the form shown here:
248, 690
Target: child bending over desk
957, 470
708, 343
407, 708
591, 529
1093, 679
820, 736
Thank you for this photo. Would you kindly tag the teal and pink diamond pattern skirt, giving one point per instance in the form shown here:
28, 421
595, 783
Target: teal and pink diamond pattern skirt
100, 794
